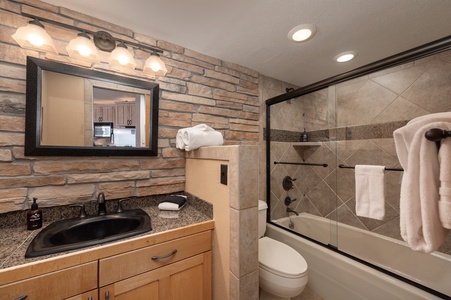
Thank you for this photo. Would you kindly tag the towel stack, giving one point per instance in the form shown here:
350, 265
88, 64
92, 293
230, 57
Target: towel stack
425, 204
201, 135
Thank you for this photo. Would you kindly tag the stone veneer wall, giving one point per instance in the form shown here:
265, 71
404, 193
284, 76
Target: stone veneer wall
355, 121
197, 89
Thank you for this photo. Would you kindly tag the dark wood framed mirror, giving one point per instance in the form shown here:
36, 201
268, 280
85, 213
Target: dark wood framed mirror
73, 111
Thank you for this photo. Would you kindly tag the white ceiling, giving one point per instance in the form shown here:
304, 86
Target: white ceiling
253, 33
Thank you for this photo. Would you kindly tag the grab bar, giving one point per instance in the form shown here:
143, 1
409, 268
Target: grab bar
301, 164
341, 166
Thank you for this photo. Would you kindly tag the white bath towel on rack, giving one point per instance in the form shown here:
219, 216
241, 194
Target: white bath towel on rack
444, 204
370, 191
419, 214
404, 136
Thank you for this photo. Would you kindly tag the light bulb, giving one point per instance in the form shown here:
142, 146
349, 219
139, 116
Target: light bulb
36, 40
155, 66
84, 51
123, 59
302, 34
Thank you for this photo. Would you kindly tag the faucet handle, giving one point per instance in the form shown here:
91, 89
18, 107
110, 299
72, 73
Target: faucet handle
119, 205
82, 213
288, 200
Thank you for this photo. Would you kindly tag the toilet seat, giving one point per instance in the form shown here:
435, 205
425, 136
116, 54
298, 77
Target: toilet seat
280, 259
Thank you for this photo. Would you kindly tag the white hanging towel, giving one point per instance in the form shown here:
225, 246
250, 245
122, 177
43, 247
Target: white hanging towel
370, 191
419, 209
444, 204
198, 136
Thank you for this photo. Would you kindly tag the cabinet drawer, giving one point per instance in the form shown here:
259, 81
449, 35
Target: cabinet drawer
56, 285
125, 265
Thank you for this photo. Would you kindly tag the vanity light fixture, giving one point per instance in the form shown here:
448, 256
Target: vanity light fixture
121, 59
345, 56
154, 65
82, 48
302, 33
34, 37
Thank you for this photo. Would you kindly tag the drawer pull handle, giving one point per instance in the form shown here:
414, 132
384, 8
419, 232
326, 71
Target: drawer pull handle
22, 297
107, 295
164, 256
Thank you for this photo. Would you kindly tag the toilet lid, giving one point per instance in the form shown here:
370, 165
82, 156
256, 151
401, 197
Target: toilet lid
280, 258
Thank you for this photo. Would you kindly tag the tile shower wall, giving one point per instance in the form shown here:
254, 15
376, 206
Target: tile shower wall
354, 121
197, 89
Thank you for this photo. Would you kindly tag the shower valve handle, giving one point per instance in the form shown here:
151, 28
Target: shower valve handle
288, 200
287, 183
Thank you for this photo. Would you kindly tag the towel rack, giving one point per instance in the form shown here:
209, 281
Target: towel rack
298, 163
386, 169
436, 134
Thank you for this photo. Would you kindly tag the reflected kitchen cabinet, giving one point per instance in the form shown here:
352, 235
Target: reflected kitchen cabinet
103, 113
126, 114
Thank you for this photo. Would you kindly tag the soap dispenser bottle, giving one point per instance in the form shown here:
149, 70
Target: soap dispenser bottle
34, 216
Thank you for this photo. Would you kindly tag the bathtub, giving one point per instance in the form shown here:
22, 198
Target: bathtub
335, 276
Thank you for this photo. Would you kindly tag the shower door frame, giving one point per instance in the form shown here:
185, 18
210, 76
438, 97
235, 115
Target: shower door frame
416, 53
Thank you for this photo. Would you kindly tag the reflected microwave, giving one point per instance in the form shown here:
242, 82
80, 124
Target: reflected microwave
103, 129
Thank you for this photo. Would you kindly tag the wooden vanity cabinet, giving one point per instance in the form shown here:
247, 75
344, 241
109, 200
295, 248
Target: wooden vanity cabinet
165, 266
188, 279
177, 269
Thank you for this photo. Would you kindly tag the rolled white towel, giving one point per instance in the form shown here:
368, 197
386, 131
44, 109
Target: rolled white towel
195, 139
180, 143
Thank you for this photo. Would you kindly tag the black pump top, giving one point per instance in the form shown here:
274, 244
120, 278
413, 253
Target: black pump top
34, 206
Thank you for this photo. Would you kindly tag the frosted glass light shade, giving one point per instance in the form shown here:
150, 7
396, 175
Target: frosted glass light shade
82, 48
155, 66
33, 36
121, 59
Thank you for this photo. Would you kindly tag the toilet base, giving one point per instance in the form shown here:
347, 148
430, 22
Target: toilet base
264, 295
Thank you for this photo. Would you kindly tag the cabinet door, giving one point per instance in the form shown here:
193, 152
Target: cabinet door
188, 279
125, 114
103, 113
91, 295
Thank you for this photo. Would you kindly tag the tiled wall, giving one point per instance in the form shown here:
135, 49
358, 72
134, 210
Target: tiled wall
355, 120
197, 89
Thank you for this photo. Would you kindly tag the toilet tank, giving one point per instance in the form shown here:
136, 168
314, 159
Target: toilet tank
262, 208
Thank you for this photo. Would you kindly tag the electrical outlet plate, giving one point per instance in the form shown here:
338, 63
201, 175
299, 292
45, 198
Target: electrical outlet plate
223, 174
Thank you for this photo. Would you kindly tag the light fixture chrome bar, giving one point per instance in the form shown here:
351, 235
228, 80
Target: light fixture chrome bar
72, 27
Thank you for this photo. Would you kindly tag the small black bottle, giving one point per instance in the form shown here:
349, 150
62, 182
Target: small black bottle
304, 137
34, 216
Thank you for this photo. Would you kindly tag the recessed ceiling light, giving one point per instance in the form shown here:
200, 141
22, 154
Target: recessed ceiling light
302, 33
345, 56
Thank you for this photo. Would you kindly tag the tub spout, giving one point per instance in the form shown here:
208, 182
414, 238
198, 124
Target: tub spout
289, 210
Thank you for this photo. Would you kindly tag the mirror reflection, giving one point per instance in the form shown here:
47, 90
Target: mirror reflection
79, 111
83, 112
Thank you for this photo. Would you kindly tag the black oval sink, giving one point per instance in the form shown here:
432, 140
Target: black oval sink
78, 233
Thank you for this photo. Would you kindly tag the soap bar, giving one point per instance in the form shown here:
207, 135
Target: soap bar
173, 202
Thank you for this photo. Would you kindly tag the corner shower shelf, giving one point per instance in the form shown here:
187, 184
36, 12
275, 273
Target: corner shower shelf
307, 144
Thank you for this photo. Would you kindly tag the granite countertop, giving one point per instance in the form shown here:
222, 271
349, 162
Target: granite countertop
15, 237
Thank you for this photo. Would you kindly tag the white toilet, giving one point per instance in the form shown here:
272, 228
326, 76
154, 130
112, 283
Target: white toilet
282, 270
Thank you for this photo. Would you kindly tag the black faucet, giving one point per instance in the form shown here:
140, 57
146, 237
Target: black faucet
292, 211
101, 202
